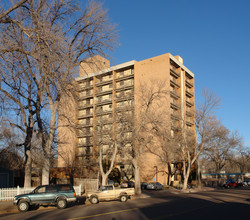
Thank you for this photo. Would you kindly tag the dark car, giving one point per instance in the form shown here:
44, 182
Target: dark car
155, 186
128, 184
144, 185
45, 195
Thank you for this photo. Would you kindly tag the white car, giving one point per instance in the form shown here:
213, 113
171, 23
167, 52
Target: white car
246, 182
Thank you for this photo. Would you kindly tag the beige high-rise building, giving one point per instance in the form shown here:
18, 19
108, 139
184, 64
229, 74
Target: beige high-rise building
107, 95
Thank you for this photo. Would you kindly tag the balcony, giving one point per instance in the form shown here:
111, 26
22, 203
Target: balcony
103, 83
83, 88
82, 107
124, 108
105, 121
84, 134
189, 83
79, 126
90, 144
189, 123
189, 94
86, 96
122, 78
103, 112
175, 105
103, 102
173, 82
102, 93
190, 114
124, 88
174, 94
175, 117
173, 72
189, 103
83, 116
121, 98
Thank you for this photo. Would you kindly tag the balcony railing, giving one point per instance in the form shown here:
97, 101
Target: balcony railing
189, 103
89, 115
174, 94
85, 144
189, 94
173, 72
102, 83
85, 96
101, 93
103, 112
122, 78
174, 83
175, 117
124, 108
189, 83
81, 107
120, 98
175, 105
190, 114
83, 88
83, 135
103, 102
104, 122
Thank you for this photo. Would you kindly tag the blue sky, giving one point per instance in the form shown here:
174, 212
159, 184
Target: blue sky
212, 37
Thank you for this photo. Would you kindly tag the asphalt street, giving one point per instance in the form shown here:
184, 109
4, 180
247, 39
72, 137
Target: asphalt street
156, 205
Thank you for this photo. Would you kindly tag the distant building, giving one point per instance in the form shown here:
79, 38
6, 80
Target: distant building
105, 91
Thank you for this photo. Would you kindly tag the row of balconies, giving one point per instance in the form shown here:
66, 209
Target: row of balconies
90, 94
101, 82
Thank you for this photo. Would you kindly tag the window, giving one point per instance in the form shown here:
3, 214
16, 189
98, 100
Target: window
40, 190
51, 189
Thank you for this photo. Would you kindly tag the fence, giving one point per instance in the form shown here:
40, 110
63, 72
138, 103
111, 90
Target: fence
9, 193
87, 184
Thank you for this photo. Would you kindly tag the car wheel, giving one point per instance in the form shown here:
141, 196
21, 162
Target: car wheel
123, 198
35, 207
23, 206
94, 200
61, 203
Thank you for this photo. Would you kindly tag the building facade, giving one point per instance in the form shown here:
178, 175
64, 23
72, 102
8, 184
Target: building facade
108, 98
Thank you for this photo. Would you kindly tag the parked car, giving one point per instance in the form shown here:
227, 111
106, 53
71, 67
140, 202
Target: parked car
45, 195
144, 185
246, 182
231, 183
127, 184
155, 186
109, 192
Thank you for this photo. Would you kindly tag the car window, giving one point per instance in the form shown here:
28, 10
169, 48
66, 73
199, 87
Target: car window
109, 188
103, 188
64, 187
40, 190
51, 189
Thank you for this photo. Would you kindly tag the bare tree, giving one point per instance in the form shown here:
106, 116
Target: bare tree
147, 119
192, 146
218, 148
40, 53
239, 159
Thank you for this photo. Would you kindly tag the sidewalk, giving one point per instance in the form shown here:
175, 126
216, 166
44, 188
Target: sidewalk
7, 207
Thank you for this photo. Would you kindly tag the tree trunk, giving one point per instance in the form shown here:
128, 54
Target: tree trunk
48, 144
198, 175
186, 176
104, 179
28, 162
45, 171
137, 177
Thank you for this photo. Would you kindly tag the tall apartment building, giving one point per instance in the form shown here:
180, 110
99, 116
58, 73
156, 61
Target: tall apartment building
106, 94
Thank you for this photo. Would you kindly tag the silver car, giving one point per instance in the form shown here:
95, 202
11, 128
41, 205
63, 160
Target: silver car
155, 186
